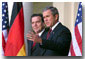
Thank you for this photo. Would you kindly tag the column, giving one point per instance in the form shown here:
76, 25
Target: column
28, 10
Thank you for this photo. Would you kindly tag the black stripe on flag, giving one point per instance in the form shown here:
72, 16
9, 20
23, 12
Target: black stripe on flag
16, 8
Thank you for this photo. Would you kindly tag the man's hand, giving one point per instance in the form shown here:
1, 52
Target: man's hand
33, 37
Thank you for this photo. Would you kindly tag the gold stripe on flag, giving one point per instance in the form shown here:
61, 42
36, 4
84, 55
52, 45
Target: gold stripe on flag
22, 51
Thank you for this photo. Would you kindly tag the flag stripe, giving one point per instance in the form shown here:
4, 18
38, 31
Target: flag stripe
78, 38
3, 42
21, 51
72, 50
5, 34
75, 45
80, 28
16, 9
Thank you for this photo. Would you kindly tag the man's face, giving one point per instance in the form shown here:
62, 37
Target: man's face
49, 19
37, 24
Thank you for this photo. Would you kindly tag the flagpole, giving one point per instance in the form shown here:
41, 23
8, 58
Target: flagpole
28, 10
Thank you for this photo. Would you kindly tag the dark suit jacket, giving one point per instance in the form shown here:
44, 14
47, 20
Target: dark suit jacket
58, 43
37, 50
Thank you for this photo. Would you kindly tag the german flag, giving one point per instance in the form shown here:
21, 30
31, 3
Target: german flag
15, 44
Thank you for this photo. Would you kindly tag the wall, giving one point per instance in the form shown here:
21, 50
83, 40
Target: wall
38, 6
67, 13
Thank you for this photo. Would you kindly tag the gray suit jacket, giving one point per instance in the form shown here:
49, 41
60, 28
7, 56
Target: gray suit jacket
37, 50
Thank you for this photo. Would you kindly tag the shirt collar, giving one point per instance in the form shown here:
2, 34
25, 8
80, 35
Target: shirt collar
41, 32
52, 28
55, 25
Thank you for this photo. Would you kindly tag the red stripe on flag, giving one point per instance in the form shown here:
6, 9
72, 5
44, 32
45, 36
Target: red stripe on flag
72, 50
16, 35
3, 42
78, 38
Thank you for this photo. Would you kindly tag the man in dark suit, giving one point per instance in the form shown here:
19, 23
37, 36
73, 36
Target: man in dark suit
38, 28
57, 42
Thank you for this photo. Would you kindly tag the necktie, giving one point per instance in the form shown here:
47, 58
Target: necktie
34, 44
49, 33
33, 47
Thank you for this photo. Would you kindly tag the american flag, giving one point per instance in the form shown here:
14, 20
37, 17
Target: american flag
76, 44
5, 25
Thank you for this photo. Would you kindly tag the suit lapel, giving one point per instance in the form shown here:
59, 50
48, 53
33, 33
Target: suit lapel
52, 34
44, 34
29, 47
54, 31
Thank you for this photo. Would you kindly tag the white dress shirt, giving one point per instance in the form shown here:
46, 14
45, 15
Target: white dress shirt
41, 32
55, 25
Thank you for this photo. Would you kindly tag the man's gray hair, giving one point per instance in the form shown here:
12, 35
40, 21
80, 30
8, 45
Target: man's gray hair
54, 10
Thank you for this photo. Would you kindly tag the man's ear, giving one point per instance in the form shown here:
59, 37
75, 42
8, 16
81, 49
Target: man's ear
56, 17
43, 25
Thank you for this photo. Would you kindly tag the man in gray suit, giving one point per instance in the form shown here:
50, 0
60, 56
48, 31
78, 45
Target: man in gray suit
38, 29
